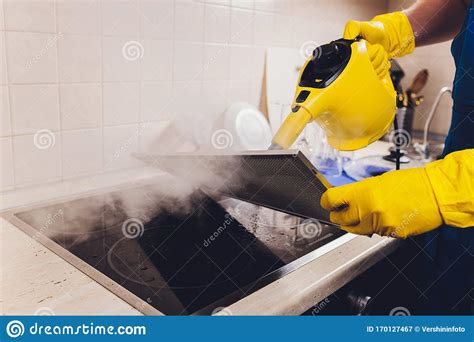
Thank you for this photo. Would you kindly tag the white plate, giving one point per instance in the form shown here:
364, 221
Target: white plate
249, 127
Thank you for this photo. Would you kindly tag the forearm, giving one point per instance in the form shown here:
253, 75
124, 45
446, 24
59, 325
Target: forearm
435, 21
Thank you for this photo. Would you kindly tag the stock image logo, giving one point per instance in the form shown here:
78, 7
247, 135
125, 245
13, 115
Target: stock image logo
224, 225
44, 311
15, 329
400, 138
222, 139
400, 311
310, 229
243, 210
307, 48
132, 228
132, 50
44, 139
318, 308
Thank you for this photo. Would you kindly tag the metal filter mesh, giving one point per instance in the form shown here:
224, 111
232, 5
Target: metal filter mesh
281, 180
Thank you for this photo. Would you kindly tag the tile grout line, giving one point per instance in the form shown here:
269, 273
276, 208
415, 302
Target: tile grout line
140, 74
8, 77
58, 92
102, 106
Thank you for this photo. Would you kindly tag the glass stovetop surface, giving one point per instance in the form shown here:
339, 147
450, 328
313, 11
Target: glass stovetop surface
191, 256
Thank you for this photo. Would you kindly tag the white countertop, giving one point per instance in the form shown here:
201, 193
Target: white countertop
34, 280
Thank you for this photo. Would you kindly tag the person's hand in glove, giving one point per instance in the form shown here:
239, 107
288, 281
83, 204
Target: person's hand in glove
407, 202
389, 36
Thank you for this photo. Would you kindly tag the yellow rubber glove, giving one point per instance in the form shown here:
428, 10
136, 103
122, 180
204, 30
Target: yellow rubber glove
390, 36
453, 183
407, 202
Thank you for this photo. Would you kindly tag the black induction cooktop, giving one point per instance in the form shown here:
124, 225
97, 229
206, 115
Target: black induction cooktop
182, 256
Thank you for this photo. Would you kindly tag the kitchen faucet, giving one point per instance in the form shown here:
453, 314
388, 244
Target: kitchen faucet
423, 148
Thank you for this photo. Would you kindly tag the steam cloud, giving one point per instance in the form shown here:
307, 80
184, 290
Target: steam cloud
173, 190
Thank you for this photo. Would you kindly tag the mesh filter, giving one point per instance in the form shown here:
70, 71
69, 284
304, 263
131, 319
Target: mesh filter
281, 180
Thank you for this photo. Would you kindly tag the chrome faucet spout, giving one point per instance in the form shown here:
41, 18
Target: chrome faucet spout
434, 108
423, 148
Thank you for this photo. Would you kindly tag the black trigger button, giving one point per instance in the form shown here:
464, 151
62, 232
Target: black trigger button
302, 96
295, 109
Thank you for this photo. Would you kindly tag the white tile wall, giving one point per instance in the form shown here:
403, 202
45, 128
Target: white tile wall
249, 4
121, 103
246, 62
156, 101
2, 18
241, 26
216, 62
189, 21
79, 59
6, 159
157, 61
157, 19
86, 82
188, 61
263, 32
120, 17
80, 154
217, 24
81, 105
78, 17
37, 158
34, 107
24, 15
118, 142
31, 57
150, 133
5, 120
119, 60
3, 62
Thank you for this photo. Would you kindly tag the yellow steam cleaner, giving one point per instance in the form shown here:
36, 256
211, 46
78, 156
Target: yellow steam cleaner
339, 88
